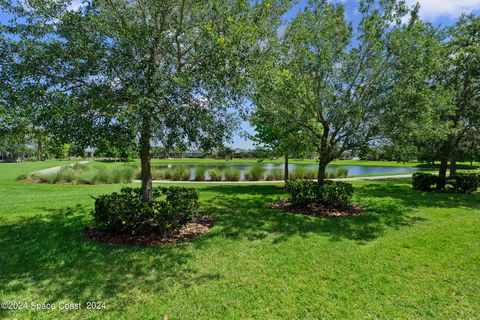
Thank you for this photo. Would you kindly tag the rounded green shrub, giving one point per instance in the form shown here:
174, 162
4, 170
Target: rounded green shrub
126, 212
215, 175
256, 173
232, 174
335, 193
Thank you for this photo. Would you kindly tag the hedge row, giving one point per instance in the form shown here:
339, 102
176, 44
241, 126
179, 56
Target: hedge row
304, 192
460, 183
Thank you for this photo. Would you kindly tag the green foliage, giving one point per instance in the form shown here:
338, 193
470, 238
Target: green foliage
460, 183
334, 174
424, 181
464, 182
299, 172
166, 70
181, 173
91, 173
215, 175
304, 192
158, 175
255, 173
126, 212
200, 173
232, 174
168, 173
274, 175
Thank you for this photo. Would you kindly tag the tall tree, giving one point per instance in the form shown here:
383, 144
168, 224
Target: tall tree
462, 76
154, 68
334, 82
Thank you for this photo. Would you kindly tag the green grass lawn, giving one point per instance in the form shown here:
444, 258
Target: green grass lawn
411, 255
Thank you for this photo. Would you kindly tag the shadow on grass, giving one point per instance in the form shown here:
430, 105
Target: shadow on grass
245, 214
49, 254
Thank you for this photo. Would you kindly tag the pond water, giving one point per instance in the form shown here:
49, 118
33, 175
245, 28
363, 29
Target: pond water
245, 167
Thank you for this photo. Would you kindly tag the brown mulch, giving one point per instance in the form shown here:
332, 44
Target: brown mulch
196, 227
316, 209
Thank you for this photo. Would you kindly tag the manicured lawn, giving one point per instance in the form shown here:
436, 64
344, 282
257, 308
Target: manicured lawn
412, 255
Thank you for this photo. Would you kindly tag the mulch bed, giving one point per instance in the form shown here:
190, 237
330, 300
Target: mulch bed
316, 209
196, 227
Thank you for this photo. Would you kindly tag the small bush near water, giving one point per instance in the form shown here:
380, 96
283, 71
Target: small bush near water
232, 174
215, 175
467, 182
126, 212
200, 173
255, 173
303, 173
275, 174
334, 193
181, 174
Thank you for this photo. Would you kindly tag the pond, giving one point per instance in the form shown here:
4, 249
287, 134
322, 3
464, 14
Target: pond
244, 168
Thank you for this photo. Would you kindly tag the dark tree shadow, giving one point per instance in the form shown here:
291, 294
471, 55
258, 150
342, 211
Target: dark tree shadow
50, 253
388, 204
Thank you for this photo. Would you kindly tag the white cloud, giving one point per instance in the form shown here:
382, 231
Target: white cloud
433, 9
75, 5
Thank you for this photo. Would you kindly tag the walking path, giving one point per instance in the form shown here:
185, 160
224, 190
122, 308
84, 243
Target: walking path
56, 169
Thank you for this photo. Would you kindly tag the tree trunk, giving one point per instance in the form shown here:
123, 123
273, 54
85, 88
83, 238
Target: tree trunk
322, 167
146, 176
453, 166
286, 168
442, 174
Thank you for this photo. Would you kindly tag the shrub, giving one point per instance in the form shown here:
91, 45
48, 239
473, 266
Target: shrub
168, 173
66, 174
126, 212
181, 174
342, 173
232, 174
22, 177
464, 182
256, 173
311, 174
424, 181
87, 177
275, 174
158, 175
200, 173
215, 175
335, 193
298, 173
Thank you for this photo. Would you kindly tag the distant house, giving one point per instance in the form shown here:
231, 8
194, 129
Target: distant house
90, 152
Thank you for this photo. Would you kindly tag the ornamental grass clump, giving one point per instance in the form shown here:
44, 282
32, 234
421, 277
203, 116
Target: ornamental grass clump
255, 173
275, 175
215, 175
200, 173
298, 173
181, 173
232, 174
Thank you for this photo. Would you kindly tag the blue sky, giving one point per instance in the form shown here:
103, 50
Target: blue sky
438, 12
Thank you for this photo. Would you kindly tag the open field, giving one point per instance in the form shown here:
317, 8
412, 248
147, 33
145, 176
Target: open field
412, 255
